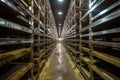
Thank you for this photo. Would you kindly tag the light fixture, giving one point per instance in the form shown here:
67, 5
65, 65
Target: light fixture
59, 24
60, 39
60, 13
59, 32
60, 0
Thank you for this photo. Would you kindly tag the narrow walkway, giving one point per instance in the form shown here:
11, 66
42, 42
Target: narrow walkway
60, 67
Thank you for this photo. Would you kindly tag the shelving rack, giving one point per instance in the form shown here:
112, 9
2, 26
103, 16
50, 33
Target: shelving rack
27, 33
71, 30
99, 44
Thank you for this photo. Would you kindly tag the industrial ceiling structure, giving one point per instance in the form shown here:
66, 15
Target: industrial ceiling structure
59, 8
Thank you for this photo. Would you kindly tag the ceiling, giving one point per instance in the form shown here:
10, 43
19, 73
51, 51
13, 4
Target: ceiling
59, 7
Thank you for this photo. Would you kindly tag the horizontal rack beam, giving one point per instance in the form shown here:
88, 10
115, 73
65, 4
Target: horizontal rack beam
104, 32
17, 72
12, 55
103, 56
11, 41
11, 25
109, 17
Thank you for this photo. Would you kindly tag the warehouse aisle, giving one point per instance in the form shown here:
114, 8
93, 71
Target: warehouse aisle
60, 67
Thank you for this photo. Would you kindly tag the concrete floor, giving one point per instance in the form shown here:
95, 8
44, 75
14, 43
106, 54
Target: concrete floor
60, 67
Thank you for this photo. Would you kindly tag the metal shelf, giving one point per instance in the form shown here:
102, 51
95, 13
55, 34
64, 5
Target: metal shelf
106, 57
103, 43
99, 2
11, 25
104, 74
29, 23
107, 18
72, 49
28, 11
11, 41
12, 7
98, 29
12, 55
107, 9
72, 44
104, 32
17, 72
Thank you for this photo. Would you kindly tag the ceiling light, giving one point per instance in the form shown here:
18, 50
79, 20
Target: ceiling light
59, 31
60, 39
60, 13
60, 0
59, 24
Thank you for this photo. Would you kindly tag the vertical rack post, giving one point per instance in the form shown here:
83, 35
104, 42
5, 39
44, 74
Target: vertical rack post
44, 22
80, 35
31, 7
75, 32
91, 41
